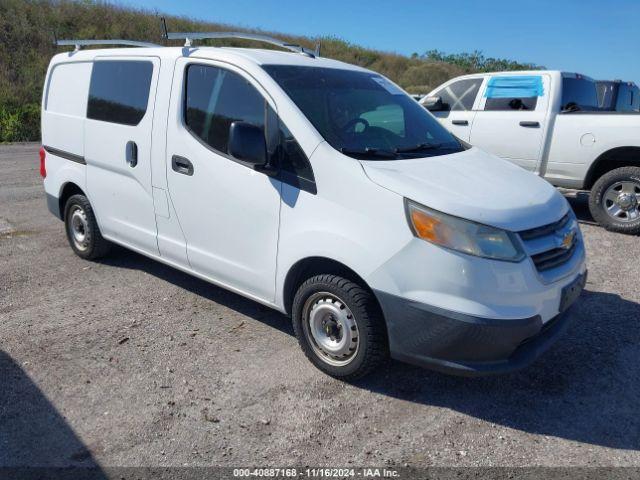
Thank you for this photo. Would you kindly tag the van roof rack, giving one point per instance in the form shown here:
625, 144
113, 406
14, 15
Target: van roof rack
81, 43
190, 36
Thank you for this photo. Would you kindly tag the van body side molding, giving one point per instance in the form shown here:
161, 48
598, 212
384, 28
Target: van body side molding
69, 156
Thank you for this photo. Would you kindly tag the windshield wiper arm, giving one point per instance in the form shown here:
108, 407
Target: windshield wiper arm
418, 148
369, 151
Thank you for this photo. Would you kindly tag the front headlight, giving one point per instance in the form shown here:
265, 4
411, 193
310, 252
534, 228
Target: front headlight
462, 235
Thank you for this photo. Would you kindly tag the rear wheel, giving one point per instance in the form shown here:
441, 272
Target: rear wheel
615, 200
82, 229
339, 326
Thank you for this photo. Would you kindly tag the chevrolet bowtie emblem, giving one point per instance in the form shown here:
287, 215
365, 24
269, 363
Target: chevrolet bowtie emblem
567, 240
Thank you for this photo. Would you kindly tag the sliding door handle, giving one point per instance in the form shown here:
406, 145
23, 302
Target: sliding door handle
181, 165
460, 122
530, 124
131, 155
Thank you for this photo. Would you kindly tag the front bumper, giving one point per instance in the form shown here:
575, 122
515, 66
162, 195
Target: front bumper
462, 344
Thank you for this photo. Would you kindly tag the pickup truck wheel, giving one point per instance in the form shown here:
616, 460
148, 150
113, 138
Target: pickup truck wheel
615, 200
339, 326
82, 229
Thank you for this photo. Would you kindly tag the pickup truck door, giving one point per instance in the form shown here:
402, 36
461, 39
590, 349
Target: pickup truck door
512, 127
458, 100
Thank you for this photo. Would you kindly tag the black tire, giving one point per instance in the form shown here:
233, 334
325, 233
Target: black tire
79, 218
371, 344
598, 203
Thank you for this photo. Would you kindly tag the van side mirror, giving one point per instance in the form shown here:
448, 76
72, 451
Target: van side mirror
247, 143
433, 104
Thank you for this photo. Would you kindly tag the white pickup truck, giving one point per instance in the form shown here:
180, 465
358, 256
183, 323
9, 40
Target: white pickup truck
549, 122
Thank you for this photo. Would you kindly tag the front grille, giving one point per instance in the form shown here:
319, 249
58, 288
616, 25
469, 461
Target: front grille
553, 258
545, 229
548, 245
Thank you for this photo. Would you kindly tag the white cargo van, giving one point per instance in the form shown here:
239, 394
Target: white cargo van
317, 188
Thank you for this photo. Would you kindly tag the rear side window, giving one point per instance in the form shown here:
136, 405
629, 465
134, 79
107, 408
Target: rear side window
579, 92
215, 98
119, 91
68, 89
460, 95
501, 104
514, 92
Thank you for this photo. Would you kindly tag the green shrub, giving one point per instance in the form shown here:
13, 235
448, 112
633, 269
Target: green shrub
20, 124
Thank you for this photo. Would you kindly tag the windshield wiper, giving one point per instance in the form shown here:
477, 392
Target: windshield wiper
369, 152
418, 148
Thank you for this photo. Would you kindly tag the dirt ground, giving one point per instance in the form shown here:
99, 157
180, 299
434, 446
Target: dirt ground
127, 362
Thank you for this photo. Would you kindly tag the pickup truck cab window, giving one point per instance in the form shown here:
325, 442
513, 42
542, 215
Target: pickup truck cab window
338, 101
460, 95
513, 92
579, 94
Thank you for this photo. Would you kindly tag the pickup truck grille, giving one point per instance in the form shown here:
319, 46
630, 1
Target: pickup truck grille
552, 245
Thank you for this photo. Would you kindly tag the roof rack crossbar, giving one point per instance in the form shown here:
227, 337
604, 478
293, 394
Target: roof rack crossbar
190, 36
81, 43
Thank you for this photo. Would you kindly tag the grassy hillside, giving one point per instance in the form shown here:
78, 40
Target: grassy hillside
26, 44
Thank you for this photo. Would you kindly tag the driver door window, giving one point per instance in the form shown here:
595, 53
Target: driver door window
215, 98
460, 95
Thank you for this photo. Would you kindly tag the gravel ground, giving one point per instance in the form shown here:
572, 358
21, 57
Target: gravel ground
127, 362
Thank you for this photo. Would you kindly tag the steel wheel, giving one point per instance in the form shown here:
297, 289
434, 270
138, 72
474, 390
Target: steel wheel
622, 201
78, 227
330, 328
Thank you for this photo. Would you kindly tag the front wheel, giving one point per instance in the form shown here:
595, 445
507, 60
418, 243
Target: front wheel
614, 201
339, 326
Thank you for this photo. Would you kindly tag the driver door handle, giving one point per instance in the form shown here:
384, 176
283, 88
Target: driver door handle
460, 122
181, 165
530, 124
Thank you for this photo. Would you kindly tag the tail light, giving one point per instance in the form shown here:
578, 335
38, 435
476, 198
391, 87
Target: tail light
43, 168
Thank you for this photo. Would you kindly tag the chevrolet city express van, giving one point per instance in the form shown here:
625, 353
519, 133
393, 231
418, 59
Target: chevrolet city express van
317, 188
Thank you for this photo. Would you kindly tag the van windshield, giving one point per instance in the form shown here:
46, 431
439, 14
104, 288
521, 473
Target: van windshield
363, 114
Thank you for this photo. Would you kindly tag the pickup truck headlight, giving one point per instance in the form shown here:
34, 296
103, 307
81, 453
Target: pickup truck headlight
462, 235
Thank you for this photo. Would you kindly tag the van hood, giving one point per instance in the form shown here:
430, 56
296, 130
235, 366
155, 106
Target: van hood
473, 185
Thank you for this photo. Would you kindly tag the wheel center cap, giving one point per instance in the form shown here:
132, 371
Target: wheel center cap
626, 201
331, 328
